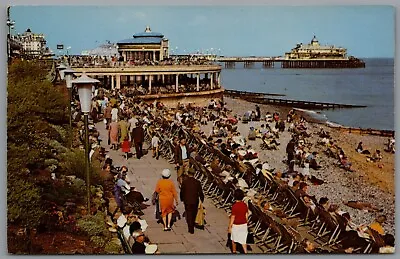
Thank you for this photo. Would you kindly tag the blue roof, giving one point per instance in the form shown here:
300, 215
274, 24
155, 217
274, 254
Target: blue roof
148, 34
144, 40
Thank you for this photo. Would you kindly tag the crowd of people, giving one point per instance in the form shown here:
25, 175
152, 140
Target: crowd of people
114, 61
178, 134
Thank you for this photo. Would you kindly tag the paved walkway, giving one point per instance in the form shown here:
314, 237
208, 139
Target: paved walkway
144, 174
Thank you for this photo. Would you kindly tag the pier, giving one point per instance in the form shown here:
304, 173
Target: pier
269, 62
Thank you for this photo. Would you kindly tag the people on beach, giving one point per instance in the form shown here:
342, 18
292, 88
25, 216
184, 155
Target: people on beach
376, 156
235, 168
361, 150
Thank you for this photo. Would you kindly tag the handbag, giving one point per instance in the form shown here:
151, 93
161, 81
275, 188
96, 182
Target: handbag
250, 238
229, 241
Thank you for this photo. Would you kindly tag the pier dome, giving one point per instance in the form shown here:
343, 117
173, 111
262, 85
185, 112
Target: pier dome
314, 41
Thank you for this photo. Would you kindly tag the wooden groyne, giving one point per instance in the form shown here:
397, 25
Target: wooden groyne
301, 104
237, 93
383, 133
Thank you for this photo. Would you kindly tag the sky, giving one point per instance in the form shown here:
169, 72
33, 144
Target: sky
366, 31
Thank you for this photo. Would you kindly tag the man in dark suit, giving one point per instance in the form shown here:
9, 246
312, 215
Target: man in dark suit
138, 139
182, 155
191, 193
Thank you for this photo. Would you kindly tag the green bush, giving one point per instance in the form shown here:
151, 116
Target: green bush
113, 248
24, 204
73, 163
98, 241
92, 225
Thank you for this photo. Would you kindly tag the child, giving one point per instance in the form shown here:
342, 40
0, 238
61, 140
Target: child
154, 144
126, 147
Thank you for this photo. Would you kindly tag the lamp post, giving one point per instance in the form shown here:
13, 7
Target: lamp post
68, 74
68, 58
10, 24
84, 85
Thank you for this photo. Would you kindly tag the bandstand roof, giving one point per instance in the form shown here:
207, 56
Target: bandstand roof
141, 40
148, 34
146, 37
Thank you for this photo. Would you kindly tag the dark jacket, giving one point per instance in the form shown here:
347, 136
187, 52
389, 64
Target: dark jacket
191, 191
138, 134
290, 147
178, 154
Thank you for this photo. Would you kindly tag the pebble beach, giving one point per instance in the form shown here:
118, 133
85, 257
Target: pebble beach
370, 182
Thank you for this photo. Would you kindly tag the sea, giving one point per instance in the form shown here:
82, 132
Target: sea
372, 86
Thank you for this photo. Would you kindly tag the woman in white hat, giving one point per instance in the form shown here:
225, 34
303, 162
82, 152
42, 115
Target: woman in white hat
167, 194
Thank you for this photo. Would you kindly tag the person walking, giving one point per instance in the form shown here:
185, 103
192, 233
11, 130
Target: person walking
123, 128
114, 113
126, 147
138, 139
181, 159
107, 115
167, 194
154, 144
113, 134
191, 194
238, 221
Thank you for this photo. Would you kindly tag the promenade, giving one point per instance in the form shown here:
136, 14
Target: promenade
144, 174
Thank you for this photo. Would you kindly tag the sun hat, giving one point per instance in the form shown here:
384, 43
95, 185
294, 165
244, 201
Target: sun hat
166, 173
151, 249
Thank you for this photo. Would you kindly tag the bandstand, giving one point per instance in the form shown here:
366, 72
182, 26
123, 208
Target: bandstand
167, 83
145, 70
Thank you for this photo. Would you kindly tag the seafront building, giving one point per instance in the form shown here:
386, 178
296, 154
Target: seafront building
33, 44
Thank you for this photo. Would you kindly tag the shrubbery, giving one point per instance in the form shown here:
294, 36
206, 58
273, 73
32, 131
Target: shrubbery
24, 204
33, 105
93, 225
37, 131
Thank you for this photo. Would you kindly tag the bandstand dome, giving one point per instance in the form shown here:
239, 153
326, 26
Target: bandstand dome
147, 45
146, 37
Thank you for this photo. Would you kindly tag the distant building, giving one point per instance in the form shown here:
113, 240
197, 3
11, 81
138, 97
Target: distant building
15, 47
33, 44
105, 50
143, 46
316, 51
